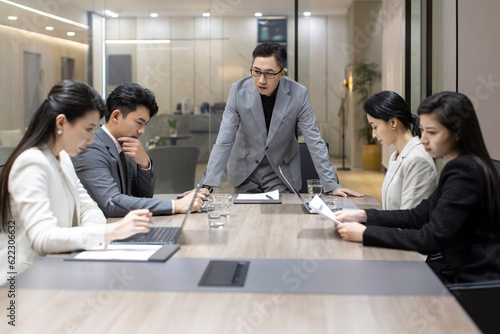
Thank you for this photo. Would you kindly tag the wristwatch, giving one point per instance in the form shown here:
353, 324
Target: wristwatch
211, 189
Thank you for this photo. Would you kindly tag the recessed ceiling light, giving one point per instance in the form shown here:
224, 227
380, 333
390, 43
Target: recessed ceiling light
138, 41
49, 28
110, 13
258, 14
153, 14
39, 12
12, 17
70, 33
206, 14
306, 13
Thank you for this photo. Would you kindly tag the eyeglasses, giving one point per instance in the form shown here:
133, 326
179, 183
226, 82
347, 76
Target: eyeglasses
267, 75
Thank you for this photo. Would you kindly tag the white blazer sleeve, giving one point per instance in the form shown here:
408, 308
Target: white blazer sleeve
90, 214
420, 180
29, 190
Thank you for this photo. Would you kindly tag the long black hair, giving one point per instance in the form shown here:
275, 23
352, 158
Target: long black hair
70, 98
456, 112
388, 104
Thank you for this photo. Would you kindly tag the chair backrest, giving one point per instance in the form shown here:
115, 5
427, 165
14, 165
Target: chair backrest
496, 163
175, 168
5, 152
307, 169
481, 301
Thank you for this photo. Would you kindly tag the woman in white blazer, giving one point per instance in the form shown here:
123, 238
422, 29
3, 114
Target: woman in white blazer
411, 173
44, 208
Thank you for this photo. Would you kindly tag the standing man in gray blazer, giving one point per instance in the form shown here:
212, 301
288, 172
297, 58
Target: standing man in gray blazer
115, 169
257, 132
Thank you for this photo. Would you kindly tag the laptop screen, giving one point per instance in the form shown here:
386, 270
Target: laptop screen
289, 185
197, 190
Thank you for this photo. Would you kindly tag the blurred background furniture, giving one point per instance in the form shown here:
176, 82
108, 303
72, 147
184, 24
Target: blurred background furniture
481, 300
5, 152
496, 163
175, 168
307, 169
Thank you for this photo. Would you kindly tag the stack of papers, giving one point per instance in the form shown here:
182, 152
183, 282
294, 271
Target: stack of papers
320, 207
269, 196
120, 252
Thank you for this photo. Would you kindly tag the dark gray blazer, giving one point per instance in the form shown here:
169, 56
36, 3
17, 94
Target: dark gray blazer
243, 142
99, 169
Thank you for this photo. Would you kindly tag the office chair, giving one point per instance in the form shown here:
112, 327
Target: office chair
481, 300
175, 168
5, 152
496, 163
307, 169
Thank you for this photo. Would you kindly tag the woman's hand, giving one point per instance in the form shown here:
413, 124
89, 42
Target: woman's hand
136, 221
351, 231
350, 216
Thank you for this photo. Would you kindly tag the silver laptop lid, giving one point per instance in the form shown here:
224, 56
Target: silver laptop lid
197, 190
290, 186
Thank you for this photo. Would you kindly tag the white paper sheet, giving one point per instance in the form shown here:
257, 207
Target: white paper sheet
320, 207
275, 195
121, 252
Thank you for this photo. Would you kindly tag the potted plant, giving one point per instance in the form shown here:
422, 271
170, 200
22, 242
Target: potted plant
172, 123
365, 75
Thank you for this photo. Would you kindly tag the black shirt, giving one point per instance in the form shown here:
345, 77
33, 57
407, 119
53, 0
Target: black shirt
268, 106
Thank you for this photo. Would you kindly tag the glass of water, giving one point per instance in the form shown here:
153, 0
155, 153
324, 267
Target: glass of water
225, 199
216, 213
334, 203
314, 187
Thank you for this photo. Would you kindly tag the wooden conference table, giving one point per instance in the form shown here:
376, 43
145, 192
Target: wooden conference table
259, 232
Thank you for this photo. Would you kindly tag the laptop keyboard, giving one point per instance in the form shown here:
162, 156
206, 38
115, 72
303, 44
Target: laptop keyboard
166, 235
160, 234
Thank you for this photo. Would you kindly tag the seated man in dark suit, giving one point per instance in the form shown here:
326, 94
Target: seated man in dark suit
115, 169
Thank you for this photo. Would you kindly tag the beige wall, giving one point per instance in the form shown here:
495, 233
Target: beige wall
393, 54
365, 43
479, 64
14, 43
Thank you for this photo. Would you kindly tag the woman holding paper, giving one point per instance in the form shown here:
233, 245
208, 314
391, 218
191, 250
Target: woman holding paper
44, 208
411, 173
461, 219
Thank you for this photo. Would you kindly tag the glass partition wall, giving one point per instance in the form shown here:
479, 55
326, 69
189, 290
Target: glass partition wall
187, 52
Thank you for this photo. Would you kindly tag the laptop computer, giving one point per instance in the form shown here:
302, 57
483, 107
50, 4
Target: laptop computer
162, 234
304, 202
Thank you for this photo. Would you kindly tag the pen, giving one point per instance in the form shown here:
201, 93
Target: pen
269, 197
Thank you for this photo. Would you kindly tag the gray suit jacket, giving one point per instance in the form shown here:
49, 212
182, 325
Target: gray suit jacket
99, 169
243, 142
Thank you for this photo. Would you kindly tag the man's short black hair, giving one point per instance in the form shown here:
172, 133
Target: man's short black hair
127, 97
270, 49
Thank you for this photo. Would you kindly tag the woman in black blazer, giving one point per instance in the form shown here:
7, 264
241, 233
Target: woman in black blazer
461, 219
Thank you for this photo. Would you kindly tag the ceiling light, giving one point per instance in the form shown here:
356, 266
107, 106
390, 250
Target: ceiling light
110, 13
306, 14
138, 41
206, 14
49, 28
153, 14
36, 11
258, 14
12, 17
71, 33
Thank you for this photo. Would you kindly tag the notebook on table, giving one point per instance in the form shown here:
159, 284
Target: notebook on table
162, 234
